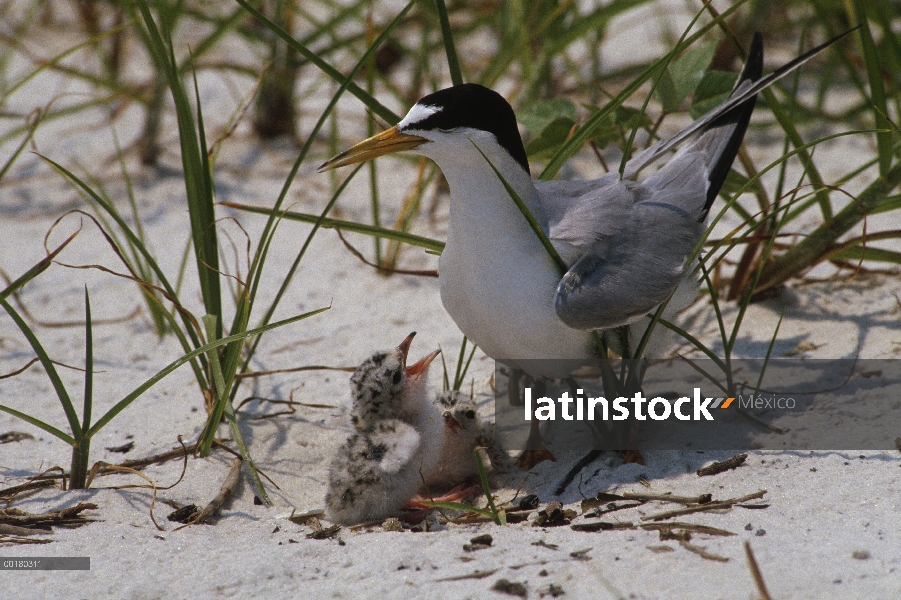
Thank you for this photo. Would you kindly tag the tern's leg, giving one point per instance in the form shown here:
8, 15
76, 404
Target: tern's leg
535, 450
513, 387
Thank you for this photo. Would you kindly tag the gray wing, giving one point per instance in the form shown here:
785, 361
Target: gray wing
631, 248
400, 442
632, 239
373, 473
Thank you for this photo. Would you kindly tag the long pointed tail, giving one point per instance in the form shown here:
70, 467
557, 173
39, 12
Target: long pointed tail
746, 89
725, 134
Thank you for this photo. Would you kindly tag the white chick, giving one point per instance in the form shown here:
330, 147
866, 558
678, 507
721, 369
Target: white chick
462, 433
378, 468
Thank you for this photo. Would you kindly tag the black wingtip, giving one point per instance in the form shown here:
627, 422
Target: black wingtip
739, 117
753, 68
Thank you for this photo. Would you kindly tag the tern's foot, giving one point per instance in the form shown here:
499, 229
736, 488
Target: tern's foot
530, 458
535, 451
454, 494
633, 456
414, 511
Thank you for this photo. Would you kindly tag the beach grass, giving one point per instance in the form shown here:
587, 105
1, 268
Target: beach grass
546, 56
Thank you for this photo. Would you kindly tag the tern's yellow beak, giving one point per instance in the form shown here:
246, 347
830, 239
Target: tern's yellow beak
387, 142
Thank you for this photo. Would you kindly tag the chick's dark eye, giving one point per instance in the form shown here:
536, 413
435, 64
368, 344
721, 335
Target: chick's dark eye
397, 376
470, 414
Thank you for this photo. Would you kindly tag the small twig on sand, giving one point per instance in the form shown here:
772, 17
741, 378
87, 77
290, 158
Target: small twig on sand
702, 552
725, 465
228, 487
702, 499
693, 527
473, 575
703, 507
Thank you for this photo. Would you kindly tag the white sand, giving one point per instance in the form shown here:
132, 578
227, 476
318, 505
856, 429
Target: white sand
824, 509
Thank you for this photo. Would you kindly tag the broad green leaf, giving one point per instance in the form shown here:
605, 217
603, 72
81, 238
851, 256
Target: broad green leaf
612, 127
712, 91
683, 75
551, 137
538, 115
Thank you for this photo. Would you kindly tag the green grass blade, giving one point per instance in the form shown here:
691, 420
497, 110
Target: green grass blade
221, 388
367, 99
39, 424
585, 131
198, 190
35, 119
877, 90
533, 223
461, 373
788, 126
453, 63
122, 404
499, 518
858, 253
188, 329
286, 280
249, 464
256, 268
52, 62
769, 353
49, 368
660, 87
388, 234
696, 343
81, 450
809, 250
88, 363
37, 269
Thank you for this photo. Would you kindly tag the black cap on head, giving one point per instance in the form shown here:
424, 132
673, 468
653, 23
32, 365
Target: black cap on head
475, 106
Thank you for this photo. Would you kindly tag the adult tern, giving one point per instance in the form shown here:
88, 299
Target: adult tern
624, 242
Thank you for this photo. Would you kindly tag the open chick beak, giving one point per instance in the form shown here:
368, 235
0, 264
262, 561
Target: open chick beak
388, 142
420, 367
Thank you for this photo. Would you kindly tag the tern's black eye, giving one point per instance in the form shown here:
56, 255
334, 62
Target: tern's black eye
470, 414
397, 376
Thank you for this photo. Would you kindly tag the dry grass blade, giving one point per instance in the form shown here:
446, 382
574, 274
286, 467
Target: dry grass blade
702, 499
253, 374
21, 540
39, 268
473, 575
70, 517
755, 572
6, 529
383, 269
43, 480
111, 468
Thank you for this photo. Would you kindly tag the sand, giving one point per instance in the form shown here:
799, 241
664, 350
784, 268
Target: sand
831, 523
